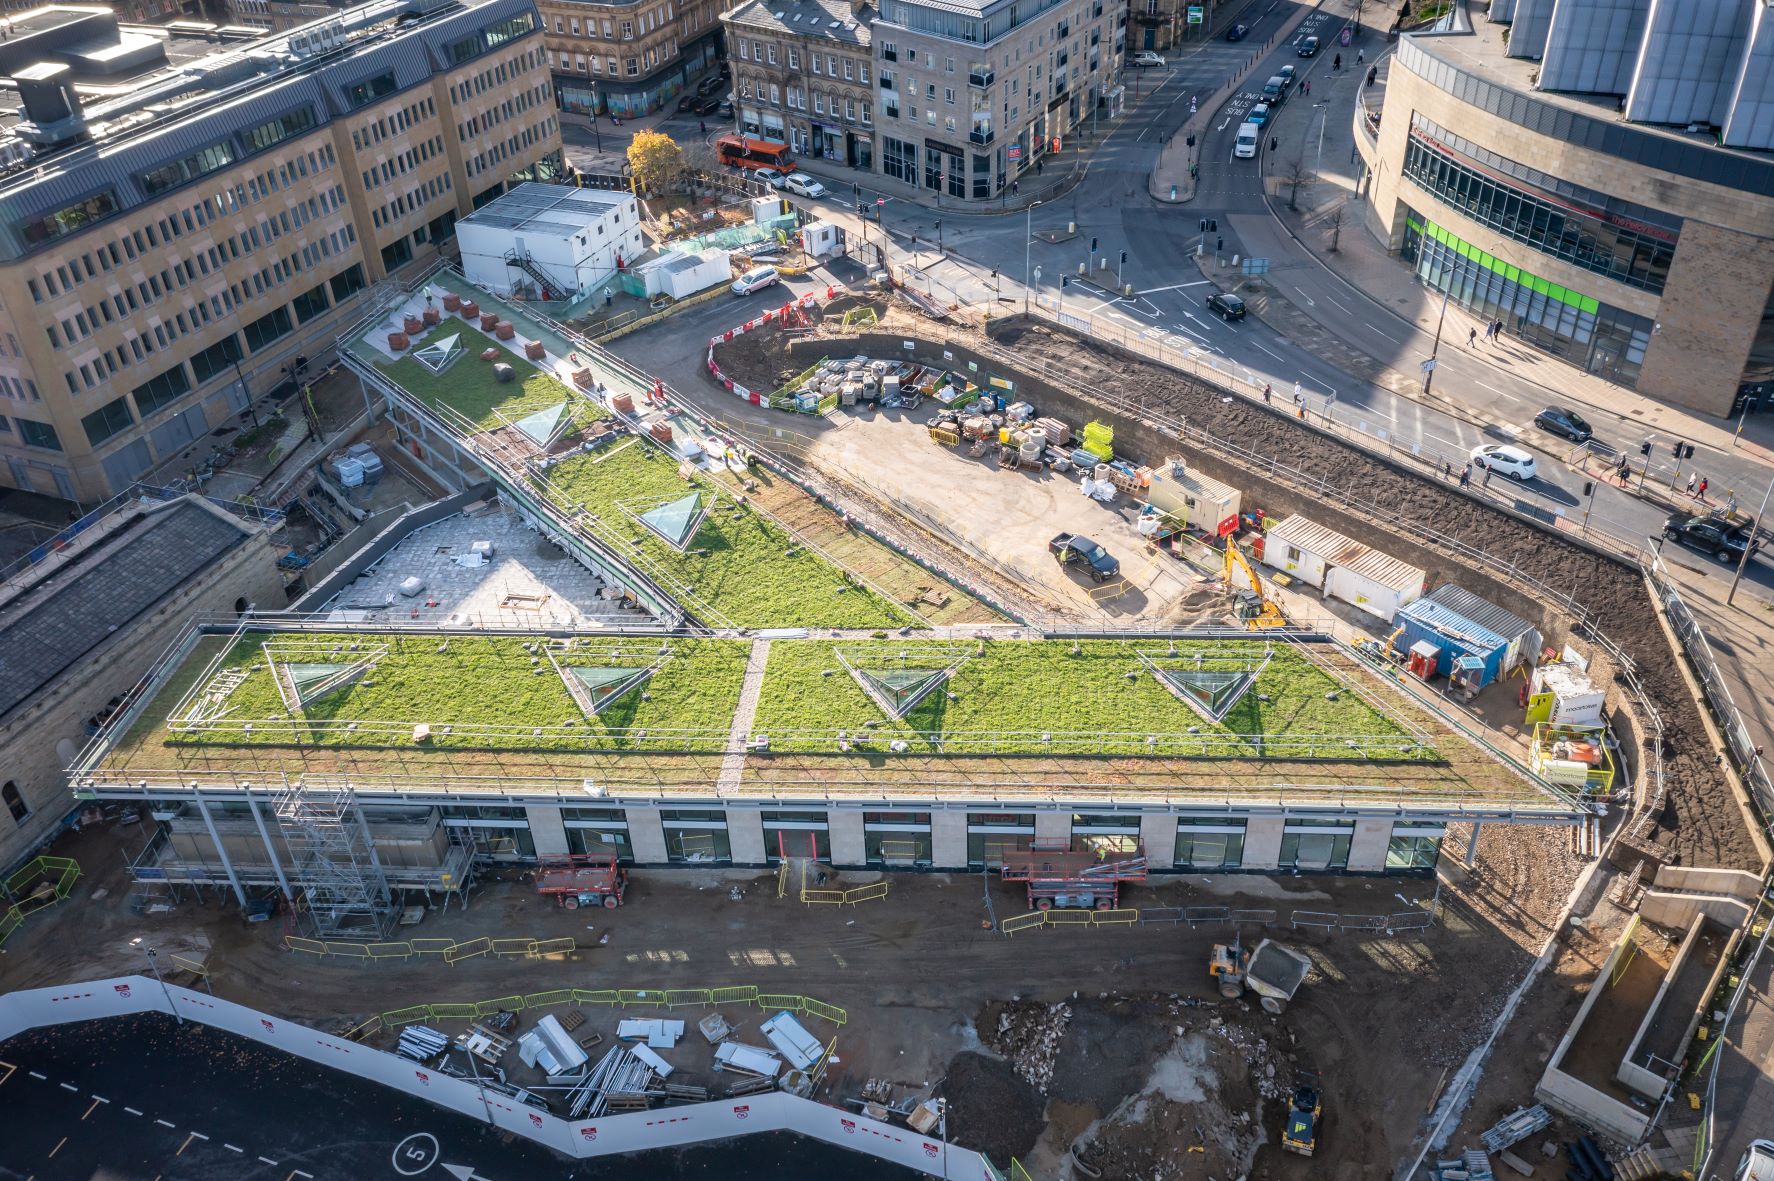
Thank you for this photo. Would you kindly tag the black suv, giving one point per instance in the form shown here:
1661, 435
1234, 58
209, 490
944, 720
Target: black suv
1309, 47
1724, 540
1558, 420
1229, 306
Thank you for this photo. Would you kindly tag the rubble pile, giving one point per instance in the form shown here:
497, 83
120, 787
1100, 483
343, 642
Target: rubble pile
1028, 1034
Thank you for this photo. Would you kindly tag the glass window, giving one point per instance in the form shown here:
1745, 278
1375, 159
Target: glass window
697, 845
901, 850
268, 329
311, 303
216, 358
1413, 846
15, 802
279, 129
882, 818
370, 89
210, 159
107, 421
1209, 842
1315, 851
347, 282
38, 434
66, 221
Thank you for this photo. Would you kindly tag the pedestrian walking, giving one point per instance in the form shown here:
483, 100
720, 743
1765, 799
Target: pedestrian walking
1039, 165
1693, 481
1487, 477
1299, 395
1701, 491
1268, 391
1336, 63
1016, 187
1472, 337
1497, 328
1274, 142
702, 126
1372, 73
1307, 86
1358, 57
1466, 476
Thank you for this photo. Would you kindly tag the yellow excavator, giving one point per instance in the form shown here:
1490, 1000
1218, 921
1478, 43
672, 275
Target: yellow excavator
1254, 606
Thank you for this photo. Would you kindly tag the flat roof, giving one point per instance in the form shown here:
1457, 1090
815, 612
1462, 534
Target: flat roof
1345, 553
71, 606
502, 717
558, 210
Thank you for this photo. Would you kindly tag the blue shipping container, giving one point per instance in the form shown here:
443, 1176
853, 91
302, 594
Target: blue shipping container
1454, 634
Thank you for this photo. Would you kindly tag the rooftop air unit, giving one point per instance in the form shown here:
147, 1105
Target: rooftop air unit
52, 115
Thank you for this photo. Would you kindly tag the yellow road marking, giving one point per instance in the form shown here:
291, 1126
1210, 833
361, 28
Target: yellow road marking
93, 1108
8, 1068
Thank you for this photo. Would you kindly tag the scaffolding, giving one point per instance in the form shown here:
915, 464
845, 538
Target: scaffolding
342, 885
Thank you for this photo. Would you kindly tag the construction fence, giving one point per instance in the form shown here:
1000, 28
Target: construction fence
451, 951
1196, 916
40, 882
618, 998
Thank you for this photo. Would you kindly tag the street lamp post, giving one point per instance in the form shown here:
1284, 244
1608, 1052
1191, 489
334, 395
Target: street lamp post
1749, 543
1435, 350
595, 129
1028, 244
154, 965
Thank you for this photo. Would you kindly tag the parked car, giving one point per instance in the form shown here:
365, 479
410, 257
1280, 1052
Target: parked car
1146, 57
1275, 89
1309, 47
1074, 549
1229, 306
774, 179
806, 186
1259, 114
708, 104
1237, 32
1710, 534
687, 104
710, 84
1504, 460
1288, 73
756, 279
1561, 420
725, 110
1757, 1163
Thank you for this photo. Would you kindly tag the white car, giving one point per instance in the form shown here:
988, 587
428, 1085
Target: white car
1504, 460
755, 279
774, 179
1757, 1163
1250, 135
1146, 57
805, 185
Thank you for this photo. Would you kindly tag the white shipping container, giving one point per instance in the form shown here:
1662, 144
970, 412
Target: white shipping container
1345, 569
1201, 503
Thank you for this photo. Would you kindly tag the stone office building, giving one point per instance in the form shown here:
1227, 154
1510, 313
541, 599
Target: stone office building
803, 75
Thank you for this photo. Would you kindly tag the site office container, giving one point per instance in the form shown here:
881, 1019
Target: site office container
1460, 623
1342, 567
1199, 502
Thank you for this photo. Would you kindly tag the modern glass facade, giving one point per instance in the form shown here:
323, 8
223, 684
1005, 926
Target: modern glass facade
1209, 843
794, 834
899, 839
1316, 845
1629, 251
992, 834
695, 836
1603, 340
1413, 846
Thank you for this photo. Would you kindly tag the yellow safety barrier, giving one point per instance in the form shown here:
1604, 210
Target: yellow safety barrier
407, 1016
1023, 922
547, 947
602, 996
501, 1004
368, 1029
740, 994
1070, 918
640, 996
390, 951
311, 946
460, 1011
431, 946
823, 897
359, 951
825, 1059
865, 893
467, 951
504, 947
1017, 1172
1110, 918
188, 964
831, 1013
686, 996
778, 1000
544, 1000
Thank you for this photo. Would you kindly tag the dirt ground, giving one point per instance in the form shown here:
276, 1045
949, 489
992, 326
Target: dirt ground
1700, 822
1383, 1020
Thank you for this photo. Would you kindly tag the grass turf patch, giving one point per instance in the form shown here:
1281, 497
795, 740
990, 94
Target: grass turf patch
1019, 690
468, 388
740, 562
469, 681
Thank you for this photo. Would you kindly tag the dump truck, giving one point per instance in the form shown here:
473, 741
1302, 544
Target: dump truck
1270, 970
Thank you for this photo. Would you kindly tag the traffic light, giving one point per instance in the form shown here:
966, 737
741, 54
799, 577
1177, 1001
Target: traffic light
1645, 447
1191, 140
1204, 225
1688, 451
856, 190
1065, 281
1124, 258
1213, 225
1093, 244
861, 209
1676, 450
1588, 487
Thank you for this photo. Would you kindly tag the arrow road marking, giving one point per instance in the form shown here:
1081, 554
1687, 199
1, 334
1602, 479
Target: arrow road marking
1310, 302
462, 1172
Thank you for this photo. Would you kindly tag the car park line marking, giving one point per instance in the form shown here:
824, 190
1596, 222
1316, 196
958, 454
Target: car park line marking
10, 1068
269, 1161
69, 1087
42, 1078
231, 1147
93, 1108
1334, 303
166, 1123
299, 1173
58, 1146
132, 1111
1172, 287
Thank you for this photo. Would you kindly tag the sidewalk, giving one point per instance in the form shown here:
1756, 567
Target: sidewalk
1330, 213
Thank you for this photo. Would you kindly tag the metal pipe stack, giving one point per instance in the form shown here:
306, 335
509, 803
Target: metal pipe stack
421, 1043
617, 1073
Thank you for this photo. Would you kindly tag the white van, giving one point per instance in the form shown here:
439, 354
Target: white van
1249, 135
1758, 1163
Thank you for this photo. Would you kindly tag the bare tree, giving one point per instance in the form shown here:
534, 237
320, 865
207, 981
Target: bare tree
1297, 174
1334, 219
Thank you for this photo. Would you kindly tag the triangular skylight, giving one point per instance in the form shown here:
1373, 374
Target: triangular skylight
305, 672
676, 521
544, 426
898, 679
441, 353
1210, 683
594, 688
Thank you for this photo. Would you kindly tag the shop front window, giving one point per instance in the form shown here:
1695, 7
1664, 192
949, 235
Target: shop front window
696, 836
1209, 844
1413, 847
1315, 849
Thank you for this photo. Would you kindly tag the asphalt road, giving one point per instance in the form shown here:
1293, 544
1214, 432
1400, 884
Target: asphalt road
140, 1099
985, 254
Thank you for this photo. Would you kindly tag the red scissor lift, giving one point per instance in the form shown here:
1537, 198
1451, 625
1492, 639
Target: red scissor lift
1085, 876
583, 879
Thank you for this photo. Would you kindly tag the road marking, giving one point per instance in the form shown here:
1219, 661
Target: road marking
166, 1123
1310, 302
1334, 303
9, 1070
93, 1108
269, 1161
100, 1099
1172, 287
299, 1173
58, 1146
70, 1087
1191, 315
132, 1111
1277, 356
42, 1078
1387, 335
231, 1147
